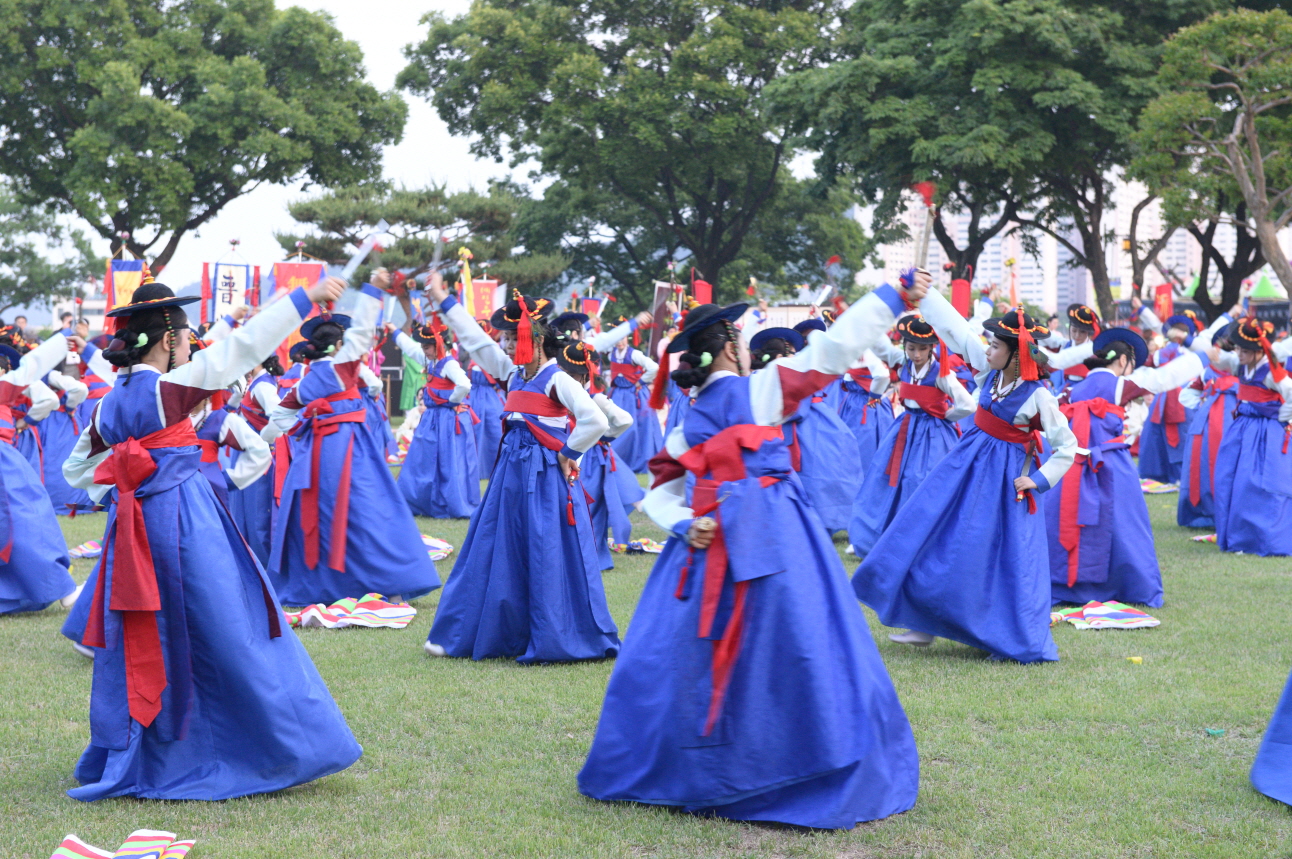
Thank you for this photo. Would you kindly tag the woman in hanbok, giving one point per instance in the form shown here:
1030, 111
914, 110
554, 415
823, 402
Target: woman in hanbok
343, 527
749, 687
440, 477
200, 690
1162, 442
527, 582
253, 504
863, 408
486, 399
934, 400
1217, 401
98, 376
631, 374
1101, 542
33, 555
49, 440
967, 558
1254, 464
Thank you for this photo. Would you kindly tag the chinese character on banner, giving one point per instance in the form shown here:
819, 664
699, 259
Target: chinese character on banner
480, 298
122, 278
1163, 301
291, 275
230, 285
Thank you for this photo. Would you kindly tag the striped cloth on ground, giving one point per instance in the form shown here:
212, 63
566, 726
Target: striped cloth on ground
1104, 615
370, 610
142, 844
1152, 487
1204, 538
438, 549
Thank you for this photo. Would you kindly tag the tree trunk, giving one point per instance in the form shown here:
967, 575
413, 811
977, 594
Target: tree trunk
1278, 261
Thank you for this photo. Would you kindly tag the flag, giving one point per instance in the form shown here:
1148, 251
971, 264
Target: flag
286, 276
1163, 301
122, 278
480, 297
591, 306
230, 286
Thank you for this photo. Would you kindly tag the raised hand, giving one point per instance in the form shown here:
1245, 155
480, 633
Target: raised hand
329, 289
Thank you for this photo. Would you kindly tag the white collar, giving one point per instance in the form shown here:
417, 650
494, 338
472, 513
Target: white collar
716, 374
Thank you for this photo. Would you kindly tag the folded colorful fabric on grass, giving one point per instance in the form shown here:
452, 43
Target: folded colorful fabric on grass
436, 548
645, 546
142, 844
88, 549
1204, 538
1104, 615
1152, 487
369, 610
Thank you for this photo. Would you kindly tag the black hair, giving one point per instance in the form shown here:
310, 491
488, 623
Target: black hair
322, 342
768, 352
692, 368
569, 326
1110, 353
4, 365
143, 330
272, 366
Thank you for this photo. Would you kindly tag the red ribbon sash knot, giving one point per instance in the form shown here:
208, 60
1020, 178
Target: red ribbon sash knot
325, 422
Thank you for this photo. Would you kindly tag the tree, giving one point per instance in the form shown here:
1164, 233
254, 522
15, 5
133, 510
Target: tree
418, 219
146, 117
1226, 113
32, 243
653, 104
1144, 251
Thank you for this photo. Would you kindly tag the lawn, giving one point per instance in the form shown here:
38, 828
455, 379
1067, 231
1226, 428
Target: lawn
1093, 755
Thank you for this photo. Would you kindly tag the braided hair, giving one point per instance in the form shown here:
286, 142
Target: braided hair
272, 366
774, 348
696, 363
1109, 354
323, 340
142, 332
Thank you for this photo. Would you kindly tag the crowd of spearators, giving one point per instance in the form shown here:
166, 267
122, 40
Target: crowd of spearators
981, 468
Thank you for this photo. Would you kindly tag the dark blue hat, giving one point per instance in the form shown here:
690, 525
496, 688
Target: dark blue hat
570, 316
296, 354
701, 317
152, 296
807, 325
789, 335
311, 325
11, 355
1125, 335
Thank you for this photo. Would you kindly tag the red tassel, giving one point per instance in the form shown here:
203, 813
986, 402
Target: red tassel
637, 338
1277, 371
524, 335
659, 391
749, 290
944, 362
206, 291
1027, 369
569, 509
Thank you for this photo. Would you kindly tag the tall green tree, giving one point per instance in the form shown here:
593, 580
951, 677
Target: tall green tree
41, 260
1224, 119
656, 105
146, 117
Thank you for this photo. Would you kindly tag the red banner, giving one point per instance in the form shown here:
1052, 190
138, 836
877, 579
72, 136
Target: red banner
480, 302
961, 296
1163, 301
290, 275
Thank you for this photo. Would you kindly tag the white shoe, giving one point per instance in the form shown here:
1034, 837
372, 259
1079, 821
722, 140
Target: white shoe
850, 550
87, 652
919, 639
70, 600
434, 649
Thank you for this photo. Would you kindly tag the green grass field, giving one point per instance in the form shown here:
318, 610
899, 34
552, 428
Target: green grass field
1093, 755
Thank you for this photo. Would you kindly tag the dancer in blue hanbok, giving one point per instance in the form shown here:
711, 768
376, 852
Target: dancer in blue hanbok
1272, 770
254, 505
1162, 441
343, 528
631, 374
98, 376
486, 399
200, 690
1217, 400
48, 442
440, 476
33, 556
863, 406
968, 559
749, 687
1101, 542
1253, 494
527, 582
1083, 328
934, 400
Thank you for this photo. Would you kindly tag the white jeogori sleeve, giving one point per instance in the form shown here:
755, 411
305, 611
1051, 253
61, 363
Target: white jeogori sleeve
619, 419
1175, 374
1072, 356
958, 334
38, 363
43, 401
1057, 432
461, 382
641, 359
255, 458
962, 402
606, 339
590, 423
482, 348
362, 332
412, 351
76, 390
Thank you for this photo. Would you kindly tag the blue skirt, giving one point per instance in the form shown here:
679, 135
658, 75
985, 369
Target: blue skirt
1202, 514
488, 408
877, 504
1158, 460
974, 566
827, 453
440, 476
527, 584
608, 509
811, 731
643, 439
1254, 488
253, 511
36, 574
1272, 769
261, 718
869, 419
46, 454
1116, 557
384, 550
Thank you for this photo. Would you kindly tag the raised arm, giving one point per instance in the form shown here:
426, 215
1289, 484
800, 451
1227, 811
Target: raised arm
37, 363
1159, 380
484, 351
958, 334
641, 359
362, 332
93, 358
412, 351
461, 382
603, 341
619, 419
1072, 356
962, 402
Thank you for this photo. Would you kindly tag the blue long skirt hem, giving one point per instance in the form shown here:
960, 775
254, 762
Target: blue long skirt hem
37, 572
440, 475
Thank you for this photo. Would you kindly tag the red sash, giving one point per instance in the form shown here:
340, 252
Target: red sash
1257, 394
931, 400
538, 405
862, 376
134, 579
435, 383
210, 449
324, 423
1169, 411
282, 462
1214, 427
1078, 415
631, 372
1029, 439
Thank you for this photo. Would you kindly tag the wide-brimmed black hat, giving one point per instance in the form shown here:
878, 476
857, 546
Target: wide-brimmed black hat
1007, 326
311, 325
1125, 335
296, 354
507, 317
425, 334
807, 325
1188, 320
1248, 334
789, 335
152, 296
11, 355
701, 317
1083, 317
913, 329
570, 316
578, 358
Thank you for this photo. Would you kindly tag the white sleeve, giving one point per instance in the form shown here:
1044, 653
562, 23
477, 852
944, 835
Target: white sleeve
1072, 356
362, 332
266, 396
641, 359
37, 363
665, 503
590, 423
958, 334
888, 354
483, 350
219, 365
43, 401
1175, 374
1226, 361
99, 366
461, 382
411, 349
219, 330
619, 419
255, 458
829, 353
1057, 432
1282, 349
1285, 390
1150, 319
606, 339
1202, 342
78, 468
963, 402
76, 390
371, 381
879, 377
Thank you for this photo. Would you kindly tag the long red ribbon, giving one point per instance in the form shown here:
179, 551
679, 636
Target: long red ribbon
1078, 415
325, 422
932, 400
1029, 439
1213, 429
